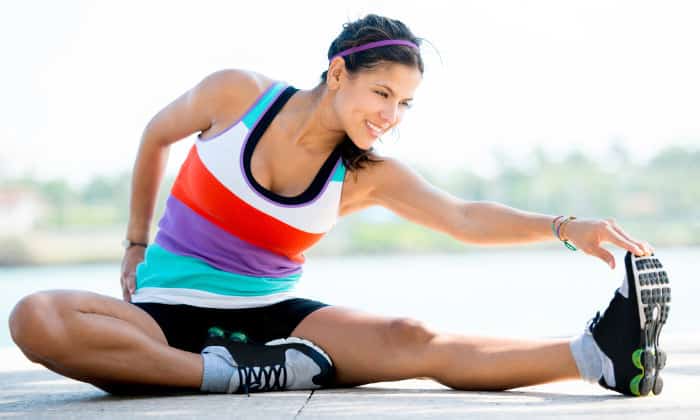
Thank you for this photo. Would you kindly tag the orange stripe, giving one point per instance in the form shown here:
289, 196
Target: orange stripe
203, 193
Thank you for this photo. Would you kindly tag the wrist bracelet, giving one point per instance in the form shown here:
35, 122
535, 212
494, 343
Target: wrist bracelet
558, 231
554, 222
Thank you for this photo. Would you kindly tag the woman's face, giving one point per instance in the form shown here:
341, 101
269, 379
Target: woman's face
371, 102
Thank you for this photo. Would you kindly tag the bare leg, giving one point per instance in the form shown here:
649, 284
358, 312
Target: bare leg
367, 348
100, 340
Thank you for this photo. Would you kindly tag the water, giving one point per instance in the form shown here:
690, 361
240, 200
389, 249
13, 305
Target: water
519, 293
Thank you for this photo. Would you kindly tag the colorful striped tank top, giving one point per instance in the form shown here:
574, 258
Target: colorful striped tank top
224, 241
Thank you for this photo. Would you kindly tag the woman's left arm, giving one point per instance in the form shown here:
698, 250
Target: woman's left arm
398, 188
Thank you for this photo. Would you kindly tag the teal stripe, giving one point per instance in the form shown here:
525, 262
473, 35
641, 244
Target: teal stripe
339, 174
252, 116
162, 268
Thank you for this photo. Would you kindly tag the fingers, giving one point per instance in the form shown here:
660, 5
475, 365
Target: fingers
648, 250
604, 255
128, 286
623, 241
132, 258
125, 295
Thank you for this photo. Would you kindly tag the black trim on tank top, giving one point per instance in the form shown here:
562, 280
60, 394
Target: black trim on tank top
321, 177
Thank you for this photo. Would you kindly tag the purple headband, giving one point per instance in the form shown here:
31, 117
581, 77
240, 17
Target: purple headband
375, 44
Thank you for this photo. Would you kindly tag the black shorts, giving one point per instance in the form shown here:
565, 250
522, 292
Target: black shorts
185, 327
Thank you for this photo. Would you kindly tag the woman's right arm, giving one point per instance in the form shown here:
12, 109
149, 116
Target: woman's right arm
215, 97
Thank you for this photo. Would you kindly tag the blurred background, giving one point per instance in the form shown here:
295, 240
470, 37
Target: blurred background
559, 107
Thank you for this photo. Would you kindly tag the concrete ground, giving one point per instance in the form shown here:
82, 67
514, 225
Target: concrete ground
31, 391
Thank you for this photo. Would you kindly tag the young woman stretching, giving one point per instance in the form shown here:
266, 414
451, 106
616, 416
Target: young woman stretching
271, 171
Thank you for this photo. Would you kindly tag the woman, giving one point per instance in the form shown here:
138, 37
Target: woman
208, 304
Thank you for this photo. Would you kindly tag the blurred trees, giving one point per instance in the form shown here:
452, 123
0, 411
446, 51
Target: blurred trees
657, 200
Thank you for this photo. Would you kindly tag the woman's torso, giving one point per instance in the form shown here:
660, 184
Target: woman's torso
267, 163
243, 209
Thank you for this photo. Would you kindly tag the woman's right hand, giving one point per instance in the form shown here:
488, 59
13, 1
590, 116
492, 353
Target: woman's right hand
132, 257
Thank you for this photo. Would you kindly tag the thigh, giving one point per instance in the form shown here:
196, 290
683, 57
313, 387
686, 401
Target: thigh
39, 321
105, 305
48, 307
368, 348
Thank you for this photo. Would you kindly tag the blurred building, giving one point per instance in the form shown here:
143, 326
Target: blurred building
20, 210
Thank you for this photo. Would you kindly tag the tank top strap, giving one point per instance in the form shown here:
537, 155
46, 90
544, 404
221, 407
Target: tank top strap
262, 103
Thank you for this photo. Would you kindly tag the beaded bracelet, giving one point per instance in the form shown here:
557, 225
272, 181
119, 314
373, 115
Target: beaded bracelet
558, 230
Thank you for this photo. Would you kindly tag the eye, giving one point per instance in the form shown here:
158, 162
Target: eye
406, 105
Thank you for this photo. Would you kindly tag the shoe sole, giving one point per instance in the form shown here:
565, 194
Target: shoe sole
653, 300
288, 340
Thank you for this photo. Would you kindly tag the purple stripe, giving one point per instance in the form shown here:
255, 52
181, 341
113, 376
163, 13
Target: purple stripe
250, 185
184, 232
257, 101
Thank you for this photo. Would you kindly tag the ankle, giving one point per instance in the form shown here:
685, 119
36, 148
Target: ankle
219, 373
586, 355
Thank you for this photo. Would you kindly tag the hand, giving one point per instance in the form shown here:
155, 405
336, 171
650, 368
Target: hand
587, 235
132, 257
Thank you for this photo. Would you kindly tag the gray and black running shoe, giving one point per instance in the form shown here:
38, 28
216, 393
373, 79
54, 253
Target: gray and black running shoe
628, 332
283, 364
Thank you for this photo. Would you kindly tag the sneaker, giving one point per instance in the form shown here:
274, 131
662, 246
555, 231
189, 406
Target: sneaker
283, 364
628, 332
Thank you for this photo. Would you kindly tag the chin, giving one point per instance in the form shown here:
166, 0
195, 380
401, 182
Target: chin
363, 144
366, 146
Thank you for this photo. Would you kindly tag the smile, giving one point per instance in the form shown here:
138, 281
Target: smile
374, 129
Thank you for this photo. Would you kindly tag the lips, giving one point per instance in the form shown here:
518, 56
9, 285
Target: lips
374, 129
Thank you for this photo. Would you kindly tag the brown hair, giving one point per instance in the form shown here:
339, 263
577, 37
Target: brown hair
371, 28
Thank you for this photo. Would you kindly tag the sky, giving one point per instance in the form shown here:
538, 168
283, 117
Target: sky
80, 79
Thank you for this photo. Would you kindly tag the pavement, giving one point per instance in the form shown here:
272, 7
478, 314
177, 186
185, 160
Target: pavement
30, 391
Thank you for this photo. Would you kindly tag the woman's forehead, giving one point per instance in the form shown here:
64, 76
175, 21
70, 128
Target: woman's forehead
400, 78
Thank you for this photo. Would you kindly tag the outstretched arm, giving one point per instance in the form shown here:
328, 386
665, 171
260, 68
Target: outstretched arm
401, 190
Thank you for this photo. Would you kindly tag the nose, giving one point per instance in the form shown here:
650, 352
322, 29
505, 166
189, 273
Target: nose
390, 114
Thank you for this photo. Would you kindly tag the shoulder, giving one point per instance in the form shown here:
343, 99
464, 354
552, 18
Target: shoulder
387, 173
368, 186
394, 185
390, 183
228, 93
218, 98
380, 170
236, 82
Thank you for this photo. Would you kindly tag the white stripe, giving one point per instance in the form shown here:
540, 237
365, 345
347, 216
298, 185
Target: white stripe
176, 296
221, 156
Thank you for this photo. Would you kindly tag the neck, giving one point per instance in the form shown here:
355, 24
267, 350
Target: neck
314, 126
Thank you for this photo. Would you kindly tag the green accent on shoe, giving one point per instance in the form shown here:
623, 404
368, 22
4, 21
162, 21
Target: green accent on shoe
637, 359
634, 384
238, 336
215, 332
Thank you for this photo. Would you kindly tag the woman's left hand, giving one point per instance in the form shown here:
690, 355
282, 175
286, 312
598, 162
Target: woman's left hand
588, 235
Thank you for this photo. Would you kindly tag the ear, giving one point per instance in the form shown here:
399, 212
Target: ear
335, 73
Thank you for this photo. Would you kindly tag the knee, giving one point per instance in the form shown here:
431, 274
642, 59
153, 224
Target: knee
407, 335
33, 321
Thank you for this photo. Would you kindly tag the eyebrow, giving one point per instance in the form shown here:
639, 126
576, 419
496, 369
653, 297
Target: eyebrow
391, 91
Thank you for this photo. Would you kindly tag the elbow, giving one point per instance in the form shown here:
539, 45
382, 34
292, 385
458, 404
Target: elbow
473, 223
466, 226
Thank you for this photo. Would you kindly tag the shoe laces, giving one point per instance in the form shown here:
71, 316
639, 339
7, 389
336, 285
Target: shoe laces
262, 378
593, 322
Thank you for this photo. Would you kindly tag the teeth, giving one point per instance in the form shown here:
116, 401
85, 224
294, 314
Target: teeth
374, 127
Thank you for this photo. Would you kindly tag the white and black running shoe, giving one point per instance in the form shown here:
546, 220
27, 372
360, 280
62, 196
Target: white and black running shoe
628, 332
283, 364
